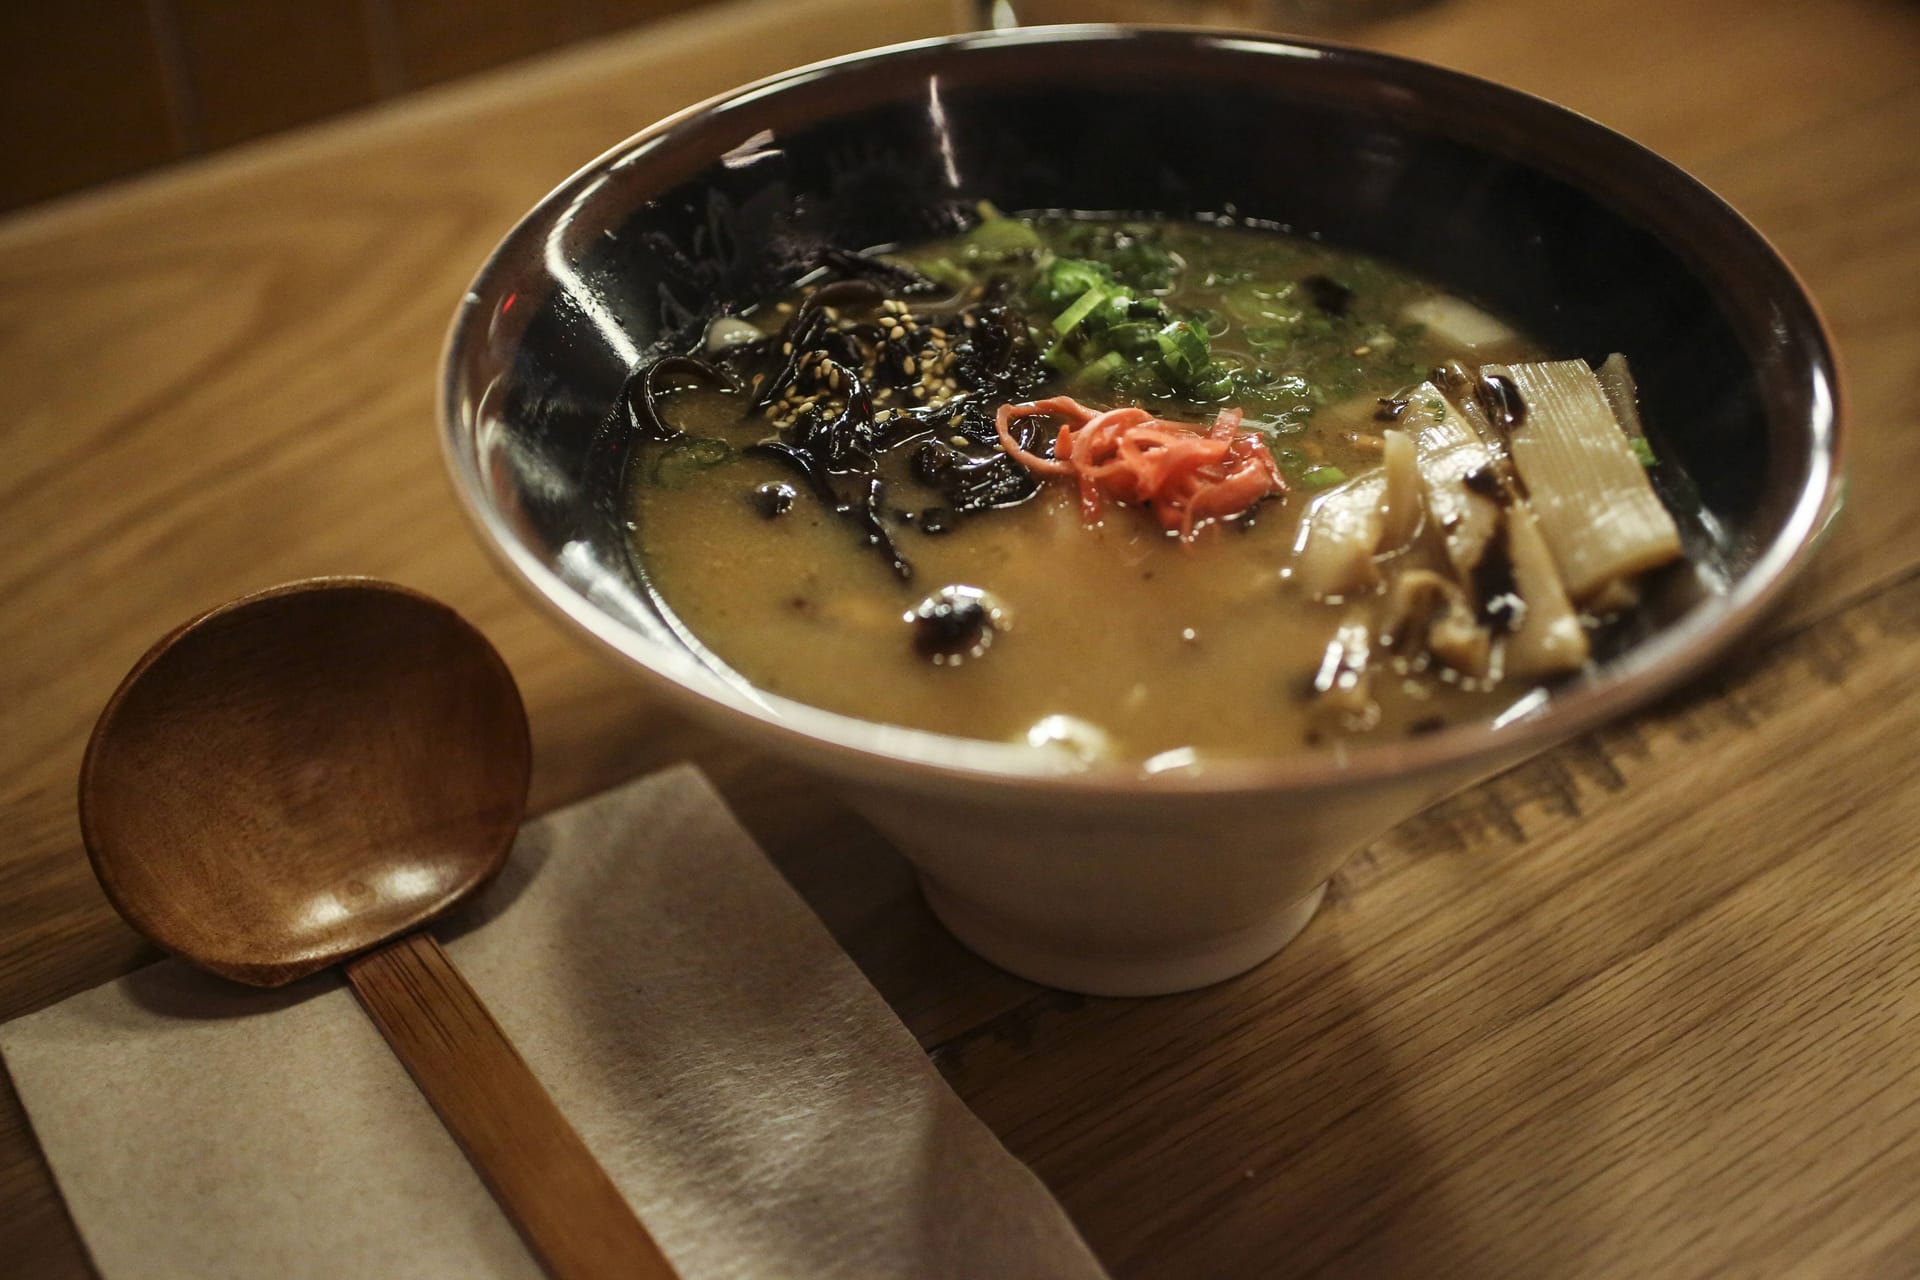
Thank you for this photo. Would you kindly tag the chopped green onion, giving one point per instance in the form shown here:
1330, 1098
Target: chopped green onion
1099, 372
1069, 320
1131, 251
1213, 323
1002, 238
947, 272
1323, 477
1121, 308
1134, 338
1184, 351
1215, 382
1643, 451
1065, 279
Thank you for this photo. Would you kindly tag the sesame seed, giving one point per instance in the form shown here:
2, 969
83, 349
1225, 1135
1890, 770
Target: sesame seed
909, 367
786, 348
958, 441
939, 333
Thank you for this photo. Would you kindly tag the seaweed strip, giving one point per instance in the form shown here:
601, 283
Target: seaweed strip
904, 281
802, 463
866, 510
643, 411
992, 363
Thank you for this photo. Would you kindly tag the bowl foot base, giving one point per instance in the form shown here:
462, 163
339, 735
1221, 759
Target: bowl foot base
1145, 971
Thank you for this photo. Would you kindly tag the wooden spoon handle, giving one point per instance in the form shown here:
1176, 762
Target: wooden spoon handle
566, 1208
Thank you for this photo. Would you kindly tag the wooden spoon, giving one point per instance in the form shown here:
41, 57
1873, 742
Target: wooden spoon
305, 777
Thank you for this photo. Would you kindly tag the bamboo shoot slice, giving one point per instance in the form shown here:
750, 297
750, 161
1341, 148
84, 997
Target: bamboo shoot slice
1467, 520
1549, 640
1458, 324
1622, 393
1334, 554
1456, 384
1347, 526
1595, 509
1434, 424
1450, 451
1457, 641
1400, 506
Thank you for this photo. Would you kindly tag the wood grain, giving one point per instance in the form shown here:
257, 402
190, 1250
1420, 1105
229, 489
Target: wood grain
566, 1207
1639, 1007
264, 855
440, 39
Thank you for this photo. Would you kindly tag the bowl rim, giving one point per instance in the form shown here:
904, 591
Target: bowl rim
849, 746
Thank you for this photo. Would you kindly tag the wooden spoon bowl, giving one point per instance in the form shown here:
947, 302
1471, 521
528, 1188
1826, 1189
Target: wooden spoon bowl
300, 775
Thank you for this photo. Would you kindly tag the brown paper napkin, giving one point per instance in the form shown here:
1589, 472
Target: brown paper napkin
751, 1094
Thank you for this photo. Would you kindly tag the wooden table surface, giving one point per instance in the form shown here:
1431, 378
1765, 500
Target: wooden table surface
1646, 1006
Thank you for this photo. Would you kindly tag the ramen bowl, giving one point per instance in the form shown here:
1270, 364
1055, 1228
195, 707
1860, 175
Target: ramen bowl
1111, 878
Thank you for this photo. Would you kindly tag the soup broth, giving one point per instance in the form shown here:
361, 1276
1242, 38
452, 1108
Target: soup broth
1040, 607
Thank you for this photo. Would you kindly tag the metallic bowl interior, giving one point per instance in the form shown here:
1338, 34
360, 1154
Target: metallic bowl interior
1580, 236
